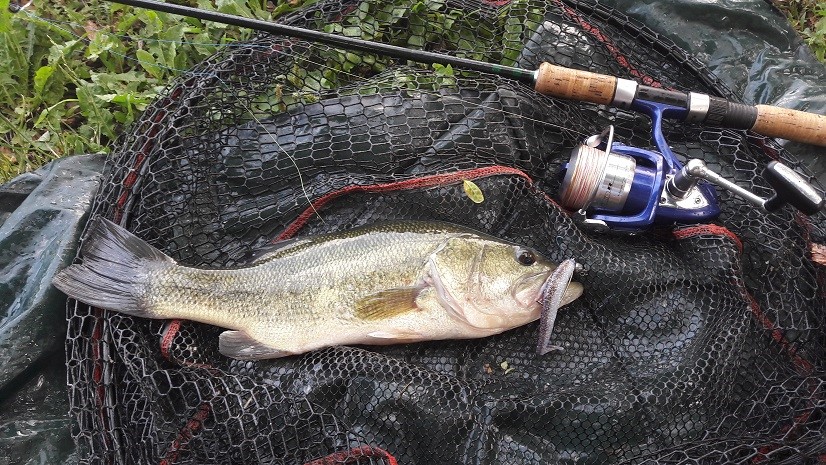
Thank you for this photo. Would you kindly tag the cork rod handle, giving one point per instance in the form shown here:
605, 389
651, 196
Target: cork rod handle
789, 124
574, 84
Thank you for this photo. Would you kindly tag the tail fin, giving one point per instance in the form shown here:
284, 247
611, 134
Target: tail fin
114, 273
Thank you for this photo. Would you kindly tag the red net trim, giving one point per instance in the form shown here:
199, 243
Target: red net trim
417, 183
353, 456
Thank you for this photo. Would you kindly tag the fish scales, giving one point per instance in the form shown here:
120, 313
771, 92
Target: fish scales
285, 290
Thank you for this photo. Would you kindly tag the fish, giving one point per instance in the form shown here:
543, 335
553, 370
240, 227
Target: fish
384, 283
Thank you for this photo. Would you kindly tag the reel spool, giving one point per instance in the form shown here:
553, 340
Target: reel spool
613, 186
616, 185
598, 178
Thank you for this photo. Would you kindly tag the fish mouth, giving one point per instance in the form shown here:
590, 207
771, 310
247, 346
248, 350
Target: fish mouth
527, 290
562, 278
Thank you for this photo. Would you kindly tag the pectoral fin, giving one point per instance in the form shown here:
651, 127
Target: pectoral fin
237, 345
387, 303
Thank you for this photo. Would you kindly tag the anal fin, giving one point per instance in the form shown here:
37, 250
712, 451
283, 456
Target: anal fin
237, 345
391, 335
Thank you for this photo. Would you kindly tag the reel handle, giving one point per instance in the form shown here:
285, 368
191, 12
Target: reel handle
791, 188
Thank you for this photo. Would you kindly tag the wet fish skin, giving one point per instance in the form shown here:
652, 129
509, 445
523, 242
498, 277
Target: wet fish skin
381, 284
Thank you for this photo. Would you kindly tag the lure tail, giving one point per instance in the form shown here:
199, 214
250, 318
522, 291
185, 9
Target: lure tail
114, 274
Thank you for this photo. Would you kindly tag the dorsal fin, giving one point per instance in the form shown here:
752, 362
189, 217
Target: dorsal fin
268, 251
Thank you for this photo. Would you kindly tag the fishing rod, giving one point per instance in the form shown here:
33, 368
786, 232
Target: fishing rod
559, 81
607, 184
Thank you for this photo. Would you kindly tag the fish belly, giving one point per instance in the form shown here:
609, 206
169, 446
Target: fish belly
428, 321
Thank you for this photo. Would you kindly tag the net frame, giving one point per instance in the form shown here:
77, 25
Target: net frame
211, 185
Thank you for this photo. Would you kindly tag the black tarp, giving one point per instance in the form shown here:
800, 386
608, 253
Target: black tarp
41, 216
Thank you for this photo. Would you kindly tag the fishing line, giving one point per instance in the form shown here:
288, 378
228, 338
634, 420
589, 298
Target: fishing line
358, 78
436, 94
261, 125
305, 58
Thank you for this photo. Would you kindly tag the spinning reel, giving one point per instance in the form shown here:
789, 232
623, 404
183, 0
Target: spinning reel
614, 186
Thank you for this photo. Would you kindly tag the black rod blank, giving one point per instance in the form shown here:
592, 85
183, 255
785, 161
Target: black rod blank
523, 75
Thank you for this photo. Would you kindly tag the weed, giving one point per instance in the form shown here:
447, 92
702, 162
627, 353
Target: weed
808, 18
74, 74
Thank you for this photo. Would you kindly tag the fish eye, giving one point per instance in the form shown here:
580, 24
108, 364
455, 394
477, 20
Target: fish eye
525, 257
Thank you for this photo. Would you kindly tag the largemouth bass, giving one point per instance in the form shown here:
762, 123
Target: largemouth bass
382, 284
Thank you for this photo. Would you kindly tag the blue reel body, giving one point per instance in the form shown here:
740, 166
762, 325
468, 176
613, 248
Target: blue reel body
645, 202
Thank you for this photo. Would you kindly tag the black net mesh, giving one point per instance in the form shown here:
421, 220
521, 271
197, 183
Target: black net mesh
701, 344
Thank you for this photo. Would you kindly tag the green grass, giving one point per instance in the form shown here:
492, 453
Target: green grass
74, 74
87, 71
808, 18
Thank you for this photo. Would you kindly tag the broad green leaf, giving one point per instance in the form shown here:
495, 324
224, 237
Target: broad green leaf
126, 21
5, 16
130, 99
435, 5
363, 11
59, 51
147, 61
334, 28
101, 43
353, 31
416, 41
235, 7
118, 79
443, 70
152, 22
43, 115
41, 77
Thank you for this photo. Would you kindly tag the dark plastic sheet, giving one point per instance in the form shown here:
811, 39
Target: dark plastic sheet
748, 45
41, 216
